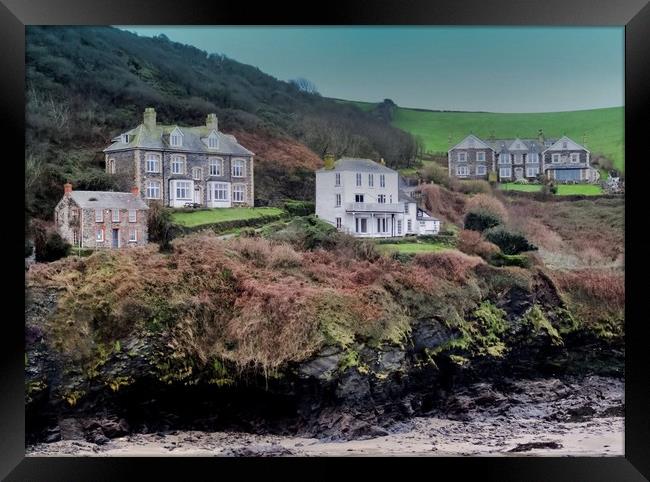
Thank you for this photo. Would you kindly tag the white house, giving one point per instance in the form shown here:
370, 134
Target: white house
363, 198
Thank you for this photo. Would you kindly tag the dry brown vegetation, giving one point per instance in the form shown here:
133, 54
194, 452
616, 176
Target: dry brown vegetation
472, 243
284, 151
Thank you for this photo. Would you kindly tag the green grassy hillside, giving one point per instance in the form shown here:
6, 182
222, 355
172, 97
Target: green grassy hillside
604, 128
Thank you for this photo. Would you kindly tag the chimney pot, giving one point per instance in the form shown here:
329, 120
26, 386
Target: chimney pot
328, 161
135, 190
67, 188
149, 118
212, 121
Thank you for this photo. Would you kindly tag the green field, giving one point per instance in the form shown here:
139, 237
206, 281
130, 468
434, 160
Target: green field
209, 216
604, 128
414, 247
562, 189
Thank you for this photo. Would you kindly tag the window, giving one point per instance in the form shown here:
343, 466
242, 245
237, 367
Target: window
197, 173
133, 217
183, 189
406, 207
238, 168
409, 225
462, 156
361, 225
399, 226
125, 138
99, 235
371, 180
480, 170
382, 180
504, 172
216, 167
75, 237
423, 224
133, 234
175, 139
99, 215
111, 166
533, 158
152, 189
532, 171
480, 156
115, 215
358, 198
238, 193
517, 158
213, 141
462, 171
218, 191
503, 158
564, 145
339, 223
338, 200
152, 163
358, 179
382, 225
555, 158
381, 199
575, 157
337, 179
178, 165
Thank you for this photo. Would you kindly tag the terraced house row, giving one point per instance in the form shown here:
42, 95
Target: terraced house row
504, 160
183, 166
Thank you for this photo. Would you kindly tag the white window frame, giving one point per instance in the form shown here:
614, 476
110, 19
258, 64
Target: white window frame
133, 231
482, 154
505, 169
200, 171
576, 156
532, 171
382, 225
359, 180
111, 166
238, 168
565, 145
359, 223
409, 225
371, 180
175, 139
481, 170
518, 159
362, 198
115, 215
220, 188
337, 179
462, 171
338, 201
462, 157
178, 161
381, 198
533, 158
100, 218
98, 238
238, 189
556, 158
339, 223
215, 166
382, 180
504, 158
133, 216
183, 186
152, 187
75, 237
152, 163
213, 141
399, 226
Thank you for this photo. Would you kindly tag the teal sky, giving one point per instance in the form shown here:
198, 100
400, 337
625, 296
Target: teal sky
496, 69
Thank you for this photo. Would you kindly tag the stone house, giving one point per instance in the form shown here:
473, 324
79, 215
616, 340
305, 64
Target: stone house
563, 160
180, 165
102, 219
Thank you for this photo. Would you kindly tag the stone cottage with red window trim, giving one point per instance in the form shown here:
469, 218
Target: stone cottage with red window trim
102, 219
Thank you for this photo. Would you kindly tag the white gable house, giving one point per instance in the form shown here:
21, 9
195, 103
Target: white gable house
362, 197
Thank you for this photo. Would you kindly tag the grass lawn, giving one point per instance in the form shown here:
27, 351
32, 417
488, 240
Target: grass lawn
209, 216
412, 247
562, 189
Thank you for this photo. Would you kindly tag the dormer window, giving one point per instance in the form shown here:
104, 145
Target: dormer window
125, 138
564, 145
176, 138
213, 141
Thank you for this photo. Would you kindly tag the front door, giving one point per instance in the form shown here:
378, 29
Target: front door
115, 240
197, 195
519, 172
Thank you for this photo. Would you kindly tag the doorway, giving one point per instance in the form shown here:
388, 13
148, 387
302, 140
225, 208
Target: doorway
115, 239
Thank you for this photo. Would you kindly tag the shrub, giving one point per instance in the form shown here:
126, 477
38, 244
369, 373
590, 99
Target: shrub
518, 260
474, 187
55, 247
299, 208
509, 242
485, 202
306, 232
452, 265
437, 174
284, 256
160, 225
471, 242
481, 220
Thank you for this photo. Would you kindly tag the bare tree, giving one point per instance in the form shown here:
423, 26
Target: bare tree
305, 85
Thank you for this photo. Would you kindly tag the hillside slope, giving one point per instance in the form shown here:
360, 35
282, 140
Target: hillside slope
604, 128
87, 84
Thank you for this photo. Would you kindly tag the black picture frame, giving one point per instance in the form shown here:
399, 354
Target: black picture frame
633, 14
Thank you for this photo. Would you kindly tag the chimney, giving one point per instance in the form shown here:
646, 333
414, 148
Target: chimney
135, 190
382, 162
150, 118
67, 188
449, 141
584, 139
540, 136
329, 161
211, 121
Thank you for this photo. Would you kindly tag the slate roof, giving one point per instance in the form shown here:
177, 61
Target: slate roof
108, 200
358, 165
158, 138
404, 197
501, 145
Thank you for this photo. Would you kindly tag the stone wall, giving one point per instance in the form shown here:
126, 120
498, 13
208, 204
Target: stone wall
471, 162
90, 227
